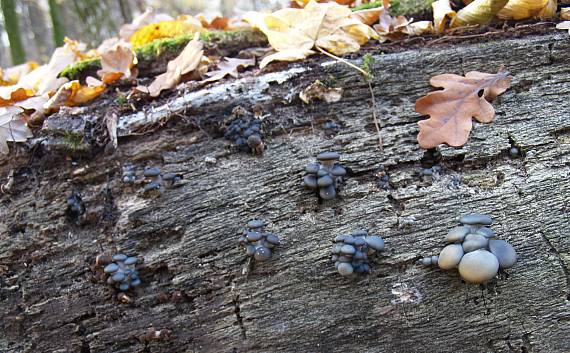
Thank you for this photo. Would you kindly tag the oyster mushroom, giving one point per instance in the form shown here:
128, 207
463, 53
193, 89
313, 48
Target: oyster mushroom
478, 266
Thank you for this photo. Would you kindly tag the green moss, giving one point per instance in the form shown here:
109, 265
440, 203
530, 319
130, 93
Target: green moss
401, 7
367, 63
150, 52
73, 71
72, 141
122, 99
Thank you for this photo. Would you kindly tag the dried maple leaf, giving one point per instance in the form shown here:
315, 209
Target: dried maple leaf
12, 127
452, 108
189, 60
117, 62
228, 66
293, 33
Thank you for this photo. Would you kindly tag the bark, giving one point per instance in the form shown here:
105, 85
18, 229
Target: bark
297, 302
13, 31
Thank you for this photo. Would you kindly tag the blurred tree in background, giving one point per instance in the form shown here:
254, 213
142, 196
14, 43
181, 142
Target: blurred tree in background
32, 29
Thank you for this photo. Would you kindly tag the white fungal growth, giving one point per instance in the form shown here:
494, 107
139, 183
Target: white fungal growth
405, 294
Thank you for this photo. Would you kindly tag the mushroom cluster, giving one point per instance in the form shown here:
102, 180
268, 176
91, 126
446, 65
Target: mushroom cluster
246, 133
325, 176
120, 271
75, 205
154, 178
474, 251
350, 252
257, 242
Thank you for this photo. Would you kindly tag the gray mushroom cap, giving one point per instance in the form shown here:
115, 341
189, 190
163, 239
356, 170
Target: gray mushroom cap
434, 259
328, 156
119, 257
325, 181
360, 233
476, 218
327, 193
310, 181
486, 232
256, 223
338, 170
375, 242
457, 234
312, 168
347, 250
168, 176
450, 256
119, 276
250, 250
474, 242
273, 239
151, 172
345, 269
426, 261
110, 268
131, 260
339, 238
349, 239
322, 172
505, 253
262, 253
359, 241
253, 236
478, 266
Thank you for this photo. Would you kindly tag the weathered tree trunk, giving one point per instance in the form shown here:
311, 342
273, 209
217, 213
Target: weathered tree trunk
297, 302
57, 25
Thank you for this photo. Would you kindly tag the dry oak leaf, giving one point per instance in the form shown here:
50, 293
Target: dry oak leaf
11, 94
117, 62
293, 33
452, 108
11, 75
443, 14
190, 59
12, 127
228, 66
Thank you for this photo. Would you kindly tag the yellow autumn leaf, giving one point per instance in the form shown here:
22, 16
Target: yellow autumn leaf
117, 62
478, 12
525, 9
443, 14
166, 29
11, 94
293, 33
565, 13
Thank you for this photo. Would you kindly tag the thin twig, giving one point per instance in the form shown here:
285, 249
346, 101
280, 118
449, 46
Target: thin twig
380, 143
367, 77
366, 74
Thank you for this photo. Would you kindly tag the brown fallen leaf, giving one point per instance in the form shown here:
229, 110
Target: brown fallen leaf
565, 13
12, 127
217, 22
11, 94
189, 60
317, 90
228, 66
293, 33
11, 75
452, 108
117, 62
73, 94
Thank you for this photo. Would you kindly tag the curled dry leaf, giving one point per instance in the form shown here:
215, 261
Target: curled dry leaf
293, 33
564, 25
117, 62
443, 14
452, 108
11, 94
12, 127
190, 59
72, 94
148, 17
11, 76
317, 90
217, 22
478, 12
228, 66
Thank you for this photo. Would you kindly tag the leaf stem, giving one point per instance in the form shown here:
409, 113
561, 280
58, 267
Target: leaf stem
366, 74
